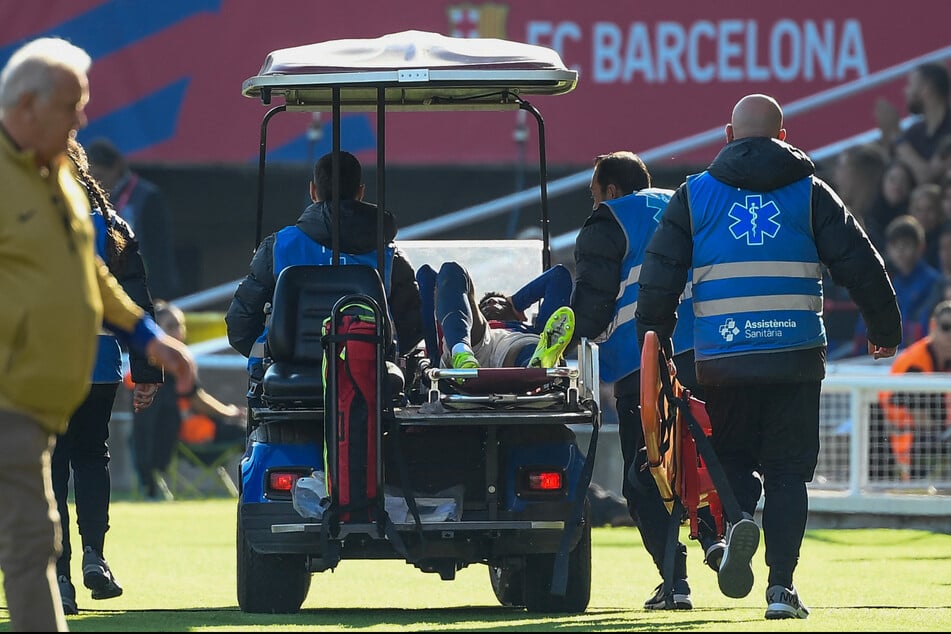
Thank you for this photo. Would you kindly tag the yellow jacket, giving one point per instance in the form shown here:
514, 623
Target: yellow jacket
54, 290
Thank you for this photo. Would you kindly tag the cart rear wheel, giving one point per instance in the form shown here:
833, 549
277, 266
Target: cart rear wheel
271, 584
508, 582
539, 570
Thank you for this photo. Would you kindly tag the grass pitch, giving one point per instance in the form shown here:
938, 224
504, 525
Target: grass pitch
176, 562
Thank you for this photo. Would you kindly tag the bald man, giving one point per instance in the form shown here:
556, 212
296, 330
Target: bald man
756, 115
757, 226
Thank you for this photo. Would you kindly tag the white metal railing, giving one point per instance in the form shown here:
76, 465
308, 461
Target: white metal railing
857, 471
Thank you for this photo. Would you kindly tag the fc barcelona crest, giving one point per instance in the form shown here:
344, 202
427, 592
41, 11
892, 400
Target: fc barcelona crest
477, 20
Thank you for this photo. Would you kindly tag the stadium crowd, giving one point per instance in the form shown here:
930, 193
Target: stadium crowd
899, 190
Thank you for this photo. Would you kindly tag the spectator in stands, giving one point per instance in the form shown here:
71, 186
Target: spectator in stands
920, 424
894, 192
942, 161
939, 293
309, 241
913, 279
944, 251
926, 94
945, 285
946, 200
925, 205
858, 175
142, 204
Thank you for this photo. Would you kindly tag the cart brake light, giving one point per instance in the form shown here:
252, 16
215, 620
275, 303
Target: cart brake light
544, 480
282, 481
541, 482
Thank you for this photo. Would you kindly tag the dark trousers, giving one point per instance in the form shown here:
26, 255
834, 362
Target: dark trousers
154, 436
551, 289
644, 503
453, 312
83, 450
772, 430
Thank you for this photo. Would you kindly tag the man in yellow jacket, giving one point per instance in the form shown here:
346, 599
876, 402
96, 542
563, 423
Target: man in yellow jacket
56, 296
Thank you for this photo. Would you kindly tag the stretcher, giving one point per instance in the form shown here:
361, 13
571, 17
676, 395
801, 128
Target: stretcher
678, 468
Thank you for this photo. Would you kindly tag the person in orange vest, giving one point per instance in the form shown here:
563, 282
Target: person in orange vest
194, 419
920, 426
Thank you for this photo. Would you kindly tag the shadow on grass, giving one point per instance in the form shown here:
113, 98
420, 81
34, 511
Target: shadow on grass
461, 619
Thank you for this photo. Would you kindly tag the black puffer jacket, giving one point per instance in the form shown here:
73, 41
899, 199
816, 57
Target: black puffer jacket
599, 251
762, 164
245, 316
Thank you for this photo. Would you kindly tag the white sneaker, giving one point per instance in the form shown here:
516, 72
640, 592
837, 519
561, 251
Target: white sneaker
784, 603
713, 557
677, 599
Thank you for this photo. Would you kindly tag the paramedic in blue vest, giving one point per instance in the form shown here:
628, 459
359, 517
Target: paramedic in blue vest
608, 254
309, 241
756, 228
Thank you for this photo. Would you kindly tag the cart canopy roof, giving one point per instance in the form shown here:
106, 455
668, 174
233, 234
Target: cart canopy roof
418, 70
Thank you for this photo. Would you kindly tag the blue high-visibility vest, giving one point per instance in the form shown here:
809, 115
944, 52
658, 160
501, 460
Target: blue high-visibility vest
108, 367
638, 215
757, 279
291, 247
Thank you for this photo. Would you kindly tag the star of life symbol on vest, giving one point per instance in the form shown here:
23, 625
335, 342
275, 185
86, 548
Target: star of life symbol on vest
728, 329
755, 220
656, 202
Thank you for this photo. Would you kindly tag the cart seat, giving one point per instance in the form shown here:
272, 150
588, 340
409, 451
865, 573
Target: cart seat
304, 295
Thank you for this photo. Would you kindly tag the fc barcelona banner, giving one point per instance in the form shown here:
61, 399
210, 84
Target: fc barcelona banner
167, 74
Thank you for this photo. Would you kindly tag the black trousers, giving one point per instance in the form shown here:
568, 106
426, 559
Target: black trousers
154, 436
772, 430
83, 451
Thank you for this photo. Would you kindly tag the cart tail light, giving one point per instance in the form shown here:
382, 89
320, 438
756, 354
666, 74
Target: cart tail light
279, 482
541, 482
